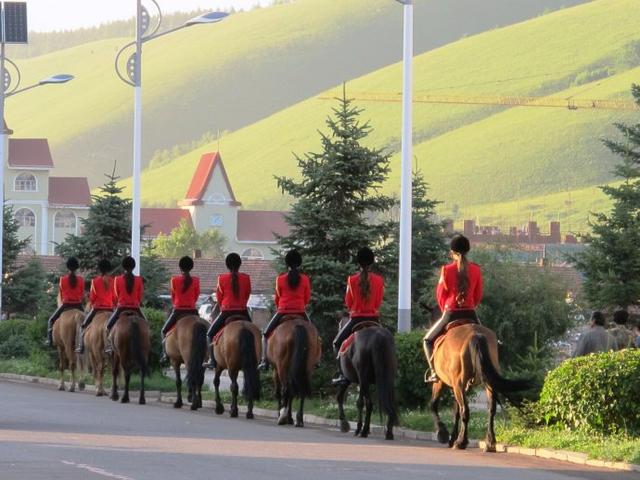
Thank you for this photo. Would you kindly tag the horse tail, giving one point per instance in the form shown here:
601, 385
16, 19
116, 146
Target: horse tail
384, 365
482, 363
195, 370
135, 345
251, 388
298, 378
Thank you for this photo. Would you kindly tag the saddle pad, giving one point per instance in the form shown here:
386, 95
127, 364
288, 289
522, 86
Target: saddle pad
216, 339
286, 318
346, 344
171, 330
365, 324
450, 326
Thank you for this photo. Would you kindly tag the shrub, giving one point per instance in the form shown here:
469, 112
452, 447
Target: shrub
156, 319
595, 393
15, 346
410, 387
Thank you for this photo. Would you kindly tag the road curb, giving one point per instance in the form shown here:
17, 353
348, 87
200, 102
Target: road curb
399, 432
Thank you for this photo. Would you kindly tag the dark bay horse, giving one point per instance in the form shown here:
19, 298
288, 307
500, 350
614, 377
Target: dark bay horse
65, 334
95, 338
370, 360
187, 344
294, 349
467, 355
238, 348
131, 346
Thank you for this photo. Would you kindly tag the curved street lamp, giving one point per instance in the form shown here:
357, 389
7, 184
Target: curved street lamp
133, 77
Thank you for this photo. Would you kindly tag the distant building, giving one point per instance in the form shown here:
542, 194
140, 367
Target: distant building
47, 208
210, 203
529, 234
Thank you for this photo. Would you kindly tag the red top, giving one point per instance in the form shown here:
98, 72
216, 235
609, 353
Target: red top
184, 300
358, 305
225, 296
447, 290
99, 295
69, 294
290, 300
124, 299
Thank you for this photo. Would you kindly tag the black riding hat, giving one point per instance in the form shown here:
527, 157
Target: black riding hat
460, 244
233, 261
72, 264
104, 266
128, 263
365, 257
293, 259
186, 264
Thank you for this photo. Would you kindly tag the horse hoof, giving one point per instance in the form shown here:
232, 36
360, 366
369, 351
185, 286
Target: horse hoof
190, 398
194, 406
115, 397
249, 415
443, 436
219, 409
283, 421
177, 404
61, 388
459, 445
81, 386
299, 424
364, 434
344, 426
142, 401
290, 421
489, 449
388, 436
72, 389
233, 414
124, 400
99, 393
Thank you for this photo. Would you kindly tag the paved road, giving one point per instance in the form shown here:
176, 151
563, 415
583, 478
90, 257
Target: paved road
46, 434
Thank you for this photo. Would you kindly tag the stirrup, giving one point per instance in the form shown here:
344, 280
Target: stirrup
340, 380
430, 377
264, 365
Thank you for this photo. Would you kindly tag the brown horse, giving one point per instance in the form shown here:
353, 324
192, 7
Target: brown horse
95, 339
294, 349
468, 356
187, 344
131, 346
65, 332
238, 348
370, 360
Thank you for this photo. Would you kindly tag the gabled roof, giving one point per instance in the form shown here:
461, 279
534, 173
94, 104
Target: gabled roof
201, 178
260, 226
29, 153
162, 220
72, 191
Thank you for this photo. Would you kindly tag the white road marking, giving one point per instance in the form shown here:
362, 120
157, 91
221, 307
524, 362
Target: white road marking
96, 470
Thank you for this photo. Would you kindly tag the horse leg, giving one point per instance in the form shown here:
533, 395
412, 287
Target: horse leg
283, 419
368, 403
127, 379
300, 414
99, 366
360, 405
461, 399
278, 390
441, 428
216, 385
342, 394
115, 371
176, 370
61, 365
141, 399
233, 376
72, 368
456, 423
290, 409
490, 442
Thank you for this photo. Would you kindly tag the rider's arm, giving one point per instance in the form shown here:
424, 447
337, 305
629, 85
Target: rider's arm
276, 300
140, 292
477, 293
348, 296
247, 293
196, 289
92, 293
219, 292
441, 290
307, 290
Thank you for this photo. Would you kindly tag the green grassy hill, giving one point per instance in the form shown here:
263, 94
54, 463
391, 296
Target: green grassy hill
498, 154
228, 76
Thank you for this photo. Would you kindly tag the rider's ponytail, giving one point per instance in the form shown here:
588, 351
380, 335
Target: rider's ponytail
72, 266
293, 277
128, 264
365, 259
293, 260
463, 278
365, 284
186, 265
233, 262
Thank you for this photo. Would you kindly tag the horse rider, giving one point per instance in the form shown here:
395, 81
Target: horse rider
71, 292
293, 293
128, 290
459, 292
185, 290
232, 294
365, 291
100, 297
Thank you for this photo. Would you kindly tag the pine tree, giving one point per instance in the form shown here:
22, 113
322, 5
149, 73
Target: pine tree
336, 206
11, 244
611, 261
105, 233
26, 290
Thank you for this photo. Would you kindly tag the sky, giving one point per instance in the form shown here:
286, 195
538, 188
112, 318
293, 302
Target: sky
48, 15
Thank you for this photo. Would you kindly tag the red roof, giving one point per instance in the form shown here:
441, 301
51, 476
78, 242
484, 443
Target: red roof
162, 220
260, 226
202, 177
29, 153
69, 191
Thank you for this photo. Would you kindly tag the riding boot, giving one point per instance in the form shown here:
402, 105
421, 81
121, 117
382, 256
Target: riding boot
164, 358
211, 364
108, 347
430, 375
80, 347
340, 379
49, 341
264, 363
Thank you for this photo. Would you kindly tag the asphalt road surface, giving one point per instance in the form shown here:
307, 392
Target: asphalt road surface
46, 434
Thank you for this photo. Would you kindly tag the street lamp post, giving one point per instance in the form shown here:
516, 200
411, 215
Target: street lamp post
9, 88
404, 271
134, 78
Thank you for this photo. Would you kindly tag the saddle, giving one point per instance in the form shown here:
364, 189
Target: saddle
231, 319
286, 318
452, 325
351, 338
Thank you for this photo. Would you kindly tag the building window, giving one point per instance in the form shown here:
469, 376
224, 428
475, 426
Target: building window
216, 221
65, 219
26, 182
216, 199
25, 218
252, 254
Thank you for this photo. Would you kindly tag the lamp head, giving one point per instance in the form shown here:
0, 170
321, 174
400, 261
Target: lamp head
55, 79
205, 18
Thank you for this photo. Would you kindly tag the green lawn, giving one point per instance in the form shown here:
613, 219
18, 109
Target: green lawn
499, 155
